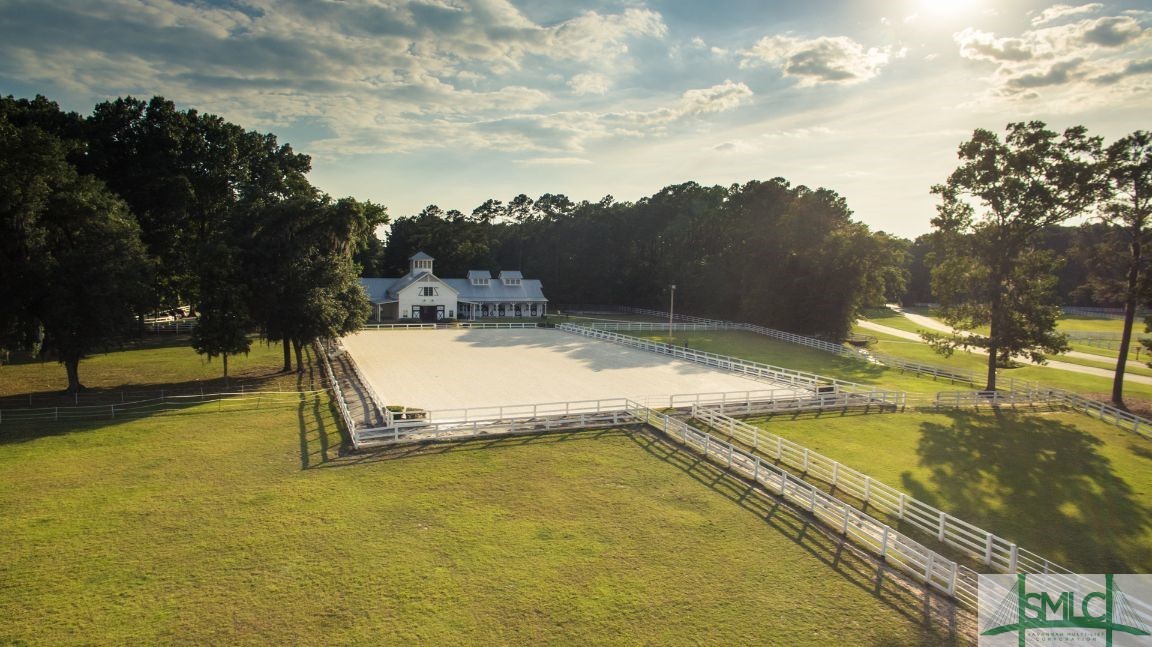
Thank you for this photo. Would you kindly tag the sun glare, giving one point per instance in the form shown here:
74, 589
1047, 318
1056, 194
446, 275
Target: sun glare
947, 7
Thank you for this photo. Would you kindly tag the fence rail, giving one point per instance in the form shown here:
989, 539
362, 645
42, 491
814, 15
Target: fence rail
1099, 410
802, 379
892, 546
981, 545
227, 401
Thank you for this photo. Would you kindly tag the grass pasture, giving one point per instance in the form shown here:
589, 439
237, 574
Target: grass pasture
143, 370
1066, 486
248, 528
758, 348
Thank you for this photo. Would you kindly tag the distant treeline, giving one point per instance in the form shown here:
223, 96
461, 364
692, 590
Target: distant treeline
767, 252
1091, 271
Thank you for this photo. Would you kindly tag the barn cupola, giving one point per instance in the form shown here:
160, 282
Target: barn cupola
420, 263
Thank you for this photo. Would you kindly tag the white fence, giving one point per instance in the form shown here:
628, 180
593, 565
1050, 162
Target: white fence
494, 325
935, 372
892, 546
993, 551
226, 402
338, 393
802, 379
399, 326
1099, 410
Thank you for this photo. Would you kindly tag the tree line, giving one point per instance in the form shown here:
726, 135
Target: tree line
140, 207
1001, 253
784, 256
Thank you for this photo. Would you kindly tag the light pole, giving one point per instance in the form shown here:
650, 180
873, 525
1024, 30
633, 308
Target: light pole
671, 309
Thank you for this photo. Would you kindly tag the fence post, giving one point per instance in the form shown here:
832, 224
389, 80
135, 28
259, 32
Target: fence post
1013, 557
940, 531
867, 489
884, 544
928, 567
900, 513
835, 475
988, 549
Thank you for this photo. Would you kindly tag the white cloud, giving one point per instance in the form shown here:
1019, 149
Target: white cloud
1061, 11
387, 75
825, 59
589, 83
984, 46
1065, 63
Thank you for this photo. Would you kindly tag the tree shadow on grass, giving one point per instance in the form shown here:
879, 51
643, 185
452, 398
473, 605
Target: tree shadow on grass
322, 437
1039, 482
101, 408
942, 622
941, 619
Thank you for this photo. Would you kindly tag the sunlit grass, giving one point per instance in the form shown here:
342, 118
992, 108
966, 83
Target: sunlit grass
758, 348
1071, 488
249, 529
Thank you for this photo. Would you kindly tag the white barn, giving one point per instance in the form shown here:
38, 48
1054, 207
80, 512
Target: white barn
420, 295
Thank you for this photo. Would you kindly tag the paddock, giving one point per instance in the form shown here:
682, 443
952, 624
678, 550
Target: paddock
450, 369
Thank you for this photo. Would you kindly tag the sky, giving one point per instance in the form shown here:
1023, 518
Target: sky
452, 102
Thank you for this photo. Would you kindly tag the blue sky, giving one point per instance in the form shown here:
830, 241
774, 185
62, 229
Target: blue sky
451, 102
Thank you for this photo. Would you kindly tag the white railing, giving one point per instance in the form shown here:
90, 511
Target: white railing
936, 372
648, 326
802, 379
1099, 410
792, 403
338, 393
419, 431
494, 325
399, 326
992, 550
892, 546
226, 401
966, 399
377, 402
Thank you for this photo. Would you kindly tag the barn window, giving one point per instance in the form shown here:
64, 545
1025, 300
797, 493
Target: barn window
428, 292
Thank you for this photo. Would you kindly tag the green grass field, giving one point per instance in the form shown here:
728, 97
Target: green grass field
758, 348
1068, 487
159, 364
1137, 396
247, 528
1079, 323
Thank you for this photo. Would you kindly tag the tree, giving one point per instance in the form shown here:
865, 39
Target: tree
223, 323
1128, 165
73, 261
992, 207
299, 253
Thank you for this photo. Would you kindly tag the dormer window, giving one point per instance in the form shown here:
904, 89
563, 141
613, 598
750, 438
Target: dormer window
479, 281
511, 281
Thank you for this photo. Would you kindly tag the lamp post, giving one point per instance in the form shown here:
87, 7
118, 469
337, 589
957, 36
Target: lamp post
671, 309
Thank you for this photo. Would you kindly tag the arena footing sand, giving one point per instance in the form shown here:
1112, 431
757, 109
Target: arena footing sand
451, 369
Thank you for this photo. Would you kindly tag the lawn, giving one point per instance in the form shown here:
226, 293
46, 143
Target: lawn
1068, 487
247, 528
1079, 323
758, 348
142, 371
1137, 396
